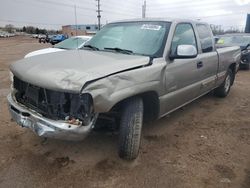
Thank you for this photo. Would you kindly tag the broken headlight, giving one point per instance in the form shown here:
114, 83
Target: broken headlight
81, 109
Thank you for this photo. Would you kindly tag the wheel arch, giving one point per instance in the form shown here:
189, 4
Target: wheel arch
151, 104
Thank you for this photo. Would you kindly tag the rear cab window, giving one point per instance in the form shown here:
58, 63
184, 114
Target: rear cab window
206, 38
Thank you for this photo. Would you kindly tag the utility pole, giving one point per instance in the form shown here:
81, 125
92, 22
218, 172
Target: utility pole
76, 20
99, 14
144, 9
247, 27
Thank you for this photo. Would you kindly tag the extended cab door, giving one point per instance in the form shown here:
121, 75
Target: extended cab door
208, 58
182, 76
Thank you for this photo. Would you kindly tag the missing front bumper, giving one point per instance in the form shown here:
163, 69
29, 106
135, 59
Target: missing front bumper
46, 127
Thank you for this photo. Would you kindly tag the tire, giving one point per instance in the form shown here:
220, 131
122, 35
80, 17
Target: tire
130, 128
224, 88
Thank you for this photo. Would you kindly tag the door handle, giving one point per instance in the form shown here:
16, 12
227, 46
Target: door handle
199, 64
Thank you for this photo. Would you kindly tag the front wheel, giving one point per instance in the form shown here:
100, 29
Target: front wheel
224, 88
130, 128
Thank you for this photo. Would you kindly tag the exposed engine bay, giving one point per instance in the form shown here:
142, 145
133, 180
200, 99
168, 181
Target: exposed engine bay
73, 108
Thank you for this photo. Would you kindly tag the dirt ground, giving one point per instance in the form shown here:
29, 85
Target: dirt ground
205, 144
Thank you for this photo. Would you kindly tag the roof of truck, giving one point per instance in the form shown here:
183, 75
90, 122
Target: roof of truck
159, 19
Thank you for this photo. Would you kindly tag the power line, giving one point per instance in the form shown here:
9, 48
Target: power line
123, 13
226, 14
49, 7
28, 22
177, 4
127, 3
77, 6
199, 8
65, 4
210, 16
120, 13
204, 4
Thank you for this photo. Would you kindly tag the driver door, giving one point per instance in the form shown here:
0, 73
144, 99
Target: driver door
182, 74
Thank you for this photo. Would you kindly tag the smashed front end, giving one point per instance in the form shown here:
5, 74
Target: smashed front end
48, 113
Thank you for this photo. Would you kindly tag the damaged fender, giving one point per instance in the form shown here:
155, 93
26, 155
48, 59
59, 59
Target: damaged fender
110, 90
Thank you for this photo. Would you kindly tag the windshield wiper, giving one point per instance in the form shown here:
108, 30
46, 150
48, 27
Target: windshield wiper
91, 47
120, 50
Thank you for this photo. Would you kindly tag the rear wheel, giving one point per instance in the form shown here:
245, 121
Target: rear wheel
224, 88
130, 128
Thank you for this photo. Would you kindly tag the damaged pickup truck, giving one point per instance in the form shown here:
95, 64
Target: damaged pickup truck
130, 72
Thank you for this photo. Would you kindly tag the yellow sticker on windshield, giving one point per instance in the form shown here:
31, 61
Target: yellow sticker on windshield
220, 41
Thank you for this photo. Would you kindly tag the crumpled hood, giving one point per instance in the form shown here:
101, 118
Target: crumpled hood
70, 70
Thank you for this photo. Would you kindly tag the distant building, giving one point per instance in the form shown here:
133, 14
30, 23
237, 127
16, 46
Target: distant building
73, 30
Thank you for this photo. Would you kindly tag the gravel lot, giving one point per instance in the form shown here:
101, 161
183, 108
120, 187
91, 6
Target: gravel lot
205, 144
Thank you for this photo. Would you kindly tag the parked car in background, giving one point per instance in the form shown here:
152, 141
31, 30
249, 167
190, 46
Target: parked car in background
68, 44
42, 38
2, 35
48, 38
6, 35
130, 72
34, 36
12, 34
238, 39
57, 38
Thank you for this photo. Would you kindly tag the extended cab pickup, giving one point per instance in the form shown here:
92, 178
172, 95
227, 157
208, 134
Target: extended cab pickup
129, 72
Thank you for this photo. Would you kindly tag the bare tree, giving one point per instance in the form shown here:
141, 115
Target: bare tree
9, 28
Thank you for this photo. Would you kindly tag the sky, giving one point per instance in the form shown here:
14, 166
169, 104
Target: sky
52, 14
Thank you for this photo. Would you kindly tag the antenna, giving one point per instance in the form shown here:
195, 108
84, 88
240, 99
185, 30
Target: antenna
99, 14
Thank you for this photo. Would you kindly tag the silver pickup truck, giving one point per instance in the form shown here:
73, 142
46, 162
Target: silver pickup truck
130, 72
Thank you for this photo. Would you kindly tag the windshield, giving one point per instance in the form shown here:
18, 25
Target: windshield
234, 40
142, 38
71, 43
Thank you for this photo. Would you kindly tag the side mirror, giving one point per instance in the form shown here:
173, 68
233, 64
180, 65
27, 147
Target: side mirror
184, 51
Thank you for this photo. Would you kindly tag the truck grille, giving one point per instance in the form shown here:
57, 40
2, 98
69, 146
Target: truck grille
51, 104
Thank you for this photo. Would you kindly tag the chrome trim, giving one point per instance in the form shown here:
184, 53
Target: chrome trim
45, 127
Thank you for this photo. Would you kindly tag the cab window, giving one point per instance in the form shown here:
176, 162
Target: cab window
184, 35
205, 37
